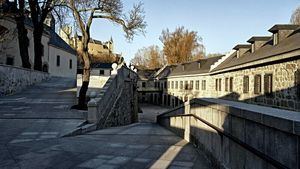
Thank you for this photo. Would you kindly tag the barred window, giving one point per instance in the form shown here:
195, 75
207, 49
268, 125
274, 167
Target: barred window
257, 84
246, 84
231, 84
297, 82
203, 85
226, 84
191, 85
181, 84
197, 85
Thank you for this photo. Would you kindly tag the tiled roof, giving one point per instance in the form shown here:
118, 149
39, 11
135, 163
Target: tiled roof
194, 68
267, 50
146, 74
57, 41
101, 65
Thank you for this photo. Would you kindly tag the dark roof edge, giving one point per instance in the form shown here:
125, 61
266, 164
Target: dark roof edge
278, 27
259, 38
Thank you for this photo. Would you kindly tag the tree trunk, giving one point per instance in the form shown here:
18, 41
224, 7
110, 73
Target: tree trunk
85, 80
38, 48
23, 42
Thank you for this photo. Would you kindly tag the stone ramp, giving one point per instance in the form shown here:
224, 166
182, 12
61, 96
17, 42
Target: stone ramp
138, 146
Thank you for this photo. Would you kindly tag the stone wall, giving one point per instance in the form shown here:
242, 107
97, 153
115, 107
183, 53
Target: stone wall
117, 102
238, 135
14, 79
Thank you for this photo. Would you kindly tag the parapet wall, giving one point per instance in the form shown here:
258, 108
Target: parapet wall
116, 104
14, 79
238, 135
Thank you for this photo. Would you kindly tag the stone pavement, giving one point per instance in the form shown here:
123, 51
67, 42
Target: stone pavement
150, 112
32, 122
140, 145
39, 112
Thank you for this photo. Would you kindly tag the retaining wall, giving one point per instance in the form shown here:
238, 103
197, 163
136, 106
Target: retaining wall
116, 104
239, 135
14, 79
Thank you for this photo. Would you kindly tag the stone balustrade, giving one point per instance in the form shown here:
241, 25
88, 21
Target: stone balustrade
14, 79
238, 135
116, 103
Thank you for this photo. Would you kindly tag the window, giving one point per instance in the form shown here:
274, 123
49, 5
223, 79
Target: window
165, 84
220, 84
216, 85
172, 83
268, 85
57, 60
231, 84
70, 64
176, 84
168, 84
143, 84
155, 85
101, 72
191, 85
10, 61
197, 85
186, 85
246, 84
226, 84
181, 84
257, 84
203, 85
297, 83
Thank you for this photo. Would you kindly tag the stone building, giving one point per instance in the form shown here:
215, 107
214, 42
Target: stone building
103, 51
264, 71
59, 59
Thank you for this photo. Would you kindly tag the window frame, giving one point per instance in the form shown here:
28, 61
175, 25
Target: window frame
246, 84
268, 84
258, 87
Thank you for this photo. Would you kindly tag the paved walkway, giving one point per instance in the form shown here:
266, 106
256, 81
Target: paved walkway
40, 112
30, 137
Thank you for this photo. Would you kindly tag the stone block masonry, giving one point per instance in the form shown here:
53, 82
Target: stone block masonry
116, 104
14, 79
238, 135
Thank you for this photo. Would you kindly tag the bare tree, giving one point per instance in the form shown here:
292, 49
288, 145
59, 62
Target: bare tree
39, 10
149, 58
85, 11
22, 34
181, 45
295, 18
16, 10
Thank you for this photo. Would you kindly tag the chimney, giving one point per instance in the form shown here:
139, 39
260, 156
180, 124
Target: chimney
258, 41
241, 49
280, 32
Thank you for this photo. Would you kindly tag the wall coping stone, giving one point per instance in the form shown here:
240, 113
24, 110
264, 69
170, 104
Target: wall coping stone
285, 120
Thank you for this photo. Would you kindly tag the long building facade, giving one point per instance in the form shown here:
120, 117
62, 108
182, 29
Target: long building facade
265, 71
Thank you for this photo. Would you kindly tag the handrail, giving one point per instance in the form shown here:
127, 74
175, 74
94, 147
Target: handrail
236, 140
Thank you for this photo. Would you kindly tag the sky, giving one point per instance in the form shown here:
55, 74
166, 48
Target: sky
221, 23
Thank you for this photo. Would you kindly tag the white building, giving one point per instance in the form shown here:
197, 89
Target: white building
59, 58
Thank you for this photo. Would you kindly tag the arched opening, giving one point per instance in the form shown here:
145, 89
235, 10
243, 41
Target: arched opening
45, 68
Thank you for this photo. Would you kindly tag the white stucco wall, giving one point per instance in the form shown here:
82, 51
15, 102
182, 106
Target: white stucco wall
64, 69
10, 48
